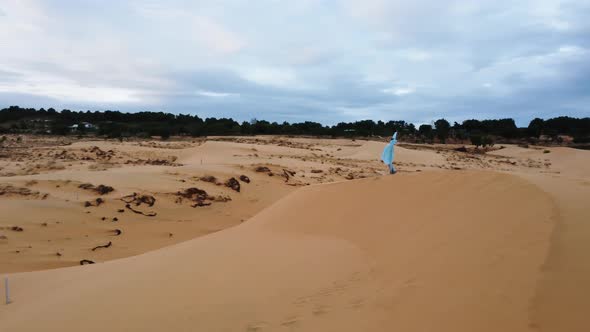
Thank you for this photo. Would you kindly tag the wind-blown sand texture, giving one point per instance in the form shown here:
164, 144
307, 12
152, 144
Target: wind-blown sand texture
454, 242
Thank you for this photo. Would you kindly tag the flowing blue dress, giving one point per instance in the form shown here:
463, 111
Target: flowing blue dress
388, 154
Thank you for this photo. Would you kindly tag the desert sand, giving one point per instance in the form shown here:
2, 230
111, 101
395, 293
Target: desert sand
318, 237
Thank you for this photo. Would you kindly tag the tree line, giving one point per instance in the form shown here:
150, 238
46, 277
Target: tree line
15, 119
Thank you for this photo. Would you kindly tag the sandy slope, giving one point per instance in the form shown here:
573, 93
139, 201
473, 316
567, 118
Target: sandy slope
58, 230
438, 251
563, 294
435, 250
569, 162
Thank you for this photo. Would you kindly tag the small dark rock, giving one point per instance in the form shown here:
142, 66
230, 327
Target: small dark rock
233, 184
102, 189
262, 169
208, 178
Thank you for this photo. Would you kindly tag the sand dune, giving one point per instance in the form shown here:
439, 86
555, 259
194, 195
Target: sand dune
571, 162
450, 248
356, 256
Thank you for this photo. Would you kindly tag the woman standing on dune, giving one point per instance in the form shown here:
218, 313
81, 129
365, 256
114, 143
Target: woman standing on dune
388, 153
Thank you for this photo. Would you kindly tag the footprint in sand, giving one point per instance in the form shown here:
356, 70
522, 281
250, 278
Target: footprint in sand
291, 321
357, 303
301, 301
320, 310
256, 326
410, 282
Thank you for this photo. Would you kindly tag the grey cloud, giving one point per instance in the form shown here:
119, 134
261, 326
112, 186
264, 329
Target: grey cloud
9, 76
341, 62
27, 100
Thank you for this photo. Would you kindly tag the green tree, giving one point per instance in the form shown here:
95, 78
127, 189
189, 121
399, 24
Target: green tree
442, 129
535, 128
59, 128
164, 134
426, 132
487, 141
476, 140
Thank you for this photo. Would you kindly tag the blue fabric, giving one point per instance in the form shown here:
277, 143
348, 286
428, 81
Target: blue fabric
388, 152
392, 169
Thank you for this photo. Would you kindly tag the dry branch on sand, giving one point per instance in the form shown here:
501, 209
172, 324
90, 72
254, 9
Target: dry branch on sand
196, 195
100, 154
210, 179
153, 162
263, 169
10, 190
97, 202
100, 189
287, 174
147, 214
138, 199
199, 197
103, 246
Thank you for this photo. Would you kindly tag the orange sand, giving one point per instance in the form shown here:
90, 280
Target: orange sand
435, 250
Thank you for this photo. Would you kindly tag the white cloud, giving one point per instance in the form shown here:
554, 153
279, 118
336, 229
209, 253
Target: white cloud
201, 29
215, 36
572, 50
213, 94
307, 56
399, 91
270, 76
415, 55
71, 92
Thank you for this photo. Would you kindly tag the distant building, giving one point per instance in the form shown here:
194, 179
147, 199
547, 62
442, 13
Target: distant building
85, 125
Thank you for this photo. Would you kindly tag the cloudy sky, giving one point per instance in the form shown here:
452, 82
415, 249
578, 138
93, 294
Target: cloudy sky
296, 60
